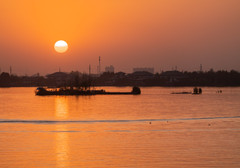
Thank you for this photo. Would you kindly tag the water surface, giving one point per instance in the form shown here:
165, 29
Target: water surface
154, 129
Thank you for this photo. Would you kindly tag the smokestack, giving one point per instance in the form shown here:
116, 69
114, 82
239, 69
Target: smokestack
89, 69
200, 67
99, 66
10, 70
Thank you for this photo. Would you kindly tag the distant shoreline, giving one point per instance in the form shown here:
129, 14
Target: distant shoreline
120, 79
118, 86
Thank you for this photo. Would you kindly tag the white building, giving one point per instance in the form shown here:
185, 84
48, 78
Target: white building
109, 69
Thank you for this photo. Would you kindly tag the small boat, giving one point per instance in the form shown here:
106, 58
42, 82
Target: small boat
196, 91
41, 91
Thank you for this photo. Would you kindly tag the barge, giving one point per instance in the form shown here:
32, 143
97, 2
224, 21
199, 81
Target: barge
41, 91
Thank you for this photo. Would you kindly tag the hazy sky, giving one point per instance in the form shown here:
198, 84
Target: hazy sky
125, 33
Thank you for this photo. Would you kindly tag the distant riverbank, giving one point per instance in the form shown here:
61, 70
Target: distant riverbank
142, 78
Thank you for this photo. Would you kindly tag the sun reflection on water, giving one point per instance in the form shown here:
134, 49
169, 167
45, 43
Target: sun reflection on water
61, 107
62, 146
61, 136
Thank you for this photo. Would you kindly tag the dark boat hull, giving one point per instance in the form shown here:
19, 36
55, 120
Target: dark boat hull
45, 92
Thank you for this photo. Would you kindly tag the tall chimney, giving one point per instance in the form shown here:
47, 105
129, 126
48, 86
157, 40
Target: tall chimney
99, 66
10, 70
89, 69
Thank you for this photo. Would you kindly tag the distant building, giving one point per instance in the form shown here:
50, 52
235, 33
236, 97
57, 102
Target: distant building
173, 76
141, 75
57, 75
150, 70
59, 78
109, 69
120, 75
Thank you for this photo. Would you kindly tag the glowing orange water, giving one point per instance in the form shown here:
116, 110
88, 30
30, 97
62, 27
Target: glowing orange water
155, 129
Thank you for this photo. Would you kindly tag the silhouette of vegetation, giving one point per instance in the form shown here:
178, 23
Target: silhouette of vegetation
84, 81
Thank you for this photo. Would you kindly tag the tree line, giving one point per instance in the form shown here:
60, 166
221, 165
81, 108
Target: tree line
165, 78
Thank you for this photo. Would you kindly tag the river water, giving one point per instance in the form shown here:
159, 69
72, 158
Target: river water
154, 129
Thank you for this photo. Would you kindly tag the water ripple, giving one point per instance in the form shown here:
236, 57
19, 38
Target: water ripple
108, 121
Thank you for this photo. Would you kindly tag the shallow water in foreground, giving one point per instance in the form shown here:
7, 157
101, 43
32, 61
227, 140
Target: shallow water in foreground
154, 129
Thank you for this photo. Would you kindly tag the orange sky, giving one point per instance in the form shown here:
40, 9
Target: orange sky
125, 33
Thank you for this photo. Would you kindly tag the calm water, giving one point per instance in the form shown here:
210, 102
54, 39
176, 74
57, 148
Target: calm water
154, 129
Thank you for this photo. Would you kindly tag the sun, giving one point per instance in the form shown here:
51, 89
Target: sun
61, 46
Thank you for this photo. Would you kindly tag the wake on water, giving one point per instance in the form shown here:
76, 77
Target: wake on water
2, 121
